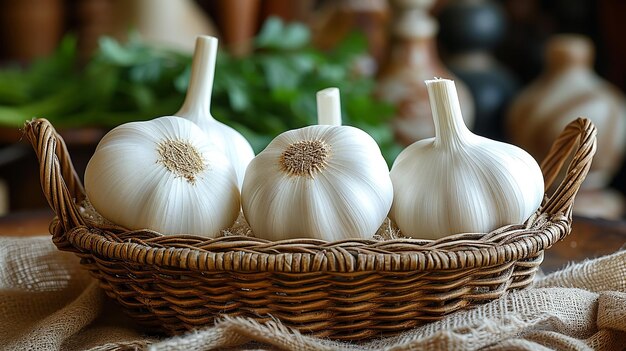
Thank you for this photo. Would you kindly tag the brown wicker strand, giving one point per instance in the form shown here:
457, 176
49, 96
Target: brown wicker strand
582, 133
59, 180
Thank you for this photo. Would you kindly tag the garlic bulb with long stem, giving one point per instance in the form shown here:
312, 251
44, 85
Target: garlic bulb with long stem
163, 175
460, 182
325, 181
197, 107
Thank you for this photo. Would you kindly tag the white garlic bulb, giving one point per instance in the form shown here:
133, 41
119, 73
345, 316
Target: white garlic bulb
163, 175
459, 182
327, 182
197, 108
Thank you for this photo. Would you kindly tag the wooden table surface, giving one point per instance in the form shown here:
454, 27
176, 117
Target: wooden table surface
589, 238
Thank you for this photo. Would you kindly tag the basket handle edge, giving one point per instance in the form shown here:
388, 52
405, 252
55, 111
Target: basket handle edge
580, 139
59, 181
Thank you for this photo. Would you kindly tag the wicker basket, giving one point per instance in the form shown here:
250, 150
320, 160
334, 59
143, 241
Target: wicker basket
347, 290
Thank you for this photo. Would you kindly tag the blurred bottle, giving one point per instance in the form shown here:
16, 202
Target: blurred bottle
470, 29
414, 59
528, 28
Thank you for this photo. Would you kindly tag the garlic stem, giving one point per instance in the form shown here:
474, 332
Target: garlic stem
450, 129
328, 107
198, 98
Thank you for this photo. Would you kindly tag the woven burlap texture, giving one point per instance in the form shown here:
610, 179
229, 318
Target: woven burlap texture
47, 302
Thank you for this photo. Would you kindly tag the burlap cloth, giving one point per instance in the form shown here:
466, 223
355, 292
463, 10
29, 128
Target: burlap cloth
47, 302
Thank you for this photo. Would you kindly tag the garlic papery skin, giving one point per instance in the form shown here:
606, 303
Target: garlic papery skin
459, 182
327, 182
163, 175
197, 108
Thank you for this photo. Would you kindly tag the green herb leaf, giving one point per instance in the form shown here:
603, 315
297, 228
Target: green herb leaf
276, 35
261, 95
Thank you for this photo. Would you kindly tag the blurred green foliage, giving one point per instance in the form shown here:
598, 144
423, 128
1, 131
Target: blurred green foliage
261, 95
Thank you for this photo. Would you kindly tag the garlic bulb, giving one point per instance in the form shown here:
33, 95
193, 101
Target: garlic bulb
460, 182
197, 108
163, 175
327, 182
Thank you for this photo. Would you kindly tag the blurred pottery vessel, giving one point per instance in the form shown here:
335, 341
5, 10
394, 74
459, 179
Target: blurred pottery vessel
470, 31
414, 59
569, 88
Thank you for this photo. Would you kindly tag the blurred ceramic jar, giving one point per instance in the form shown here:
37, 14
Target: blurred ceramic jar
569, 88
414, 59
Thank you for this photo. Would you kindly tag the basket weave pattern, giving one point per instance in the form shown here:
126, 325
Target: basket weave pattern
346, 290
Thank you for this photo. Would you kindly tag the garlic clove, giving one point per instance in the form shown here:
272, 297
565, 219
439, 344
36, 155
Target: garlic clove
326, 181
197, 107
162, 175
460, 182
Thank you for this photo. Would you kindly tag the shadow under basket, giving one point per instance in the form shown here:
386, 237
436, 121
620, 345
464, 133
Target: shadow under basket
345, 290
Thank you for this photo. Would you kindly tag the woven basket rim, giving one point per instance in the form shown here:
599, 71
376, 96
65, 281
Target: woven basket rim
243, 253
72, 232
